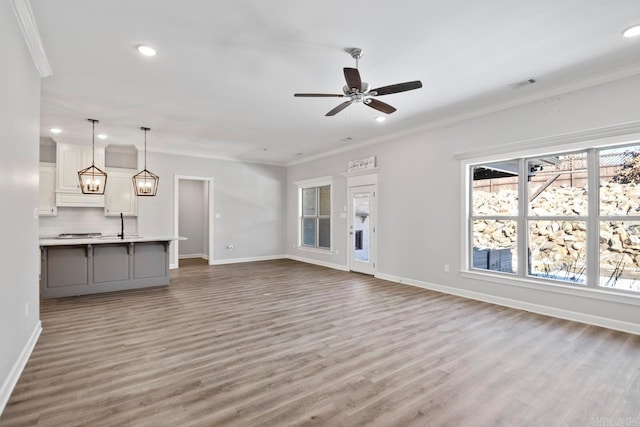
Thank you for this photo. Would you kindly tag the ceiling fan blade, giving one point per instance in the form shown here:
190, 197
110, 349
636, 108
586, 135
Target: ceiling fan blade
380, 106
320, 95
339, 108
352, 76
400, 87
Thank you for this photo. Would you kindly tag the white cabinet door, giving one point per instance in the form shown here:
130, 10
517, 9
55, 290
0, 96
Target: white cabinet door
70, 160
119, 196
47, 190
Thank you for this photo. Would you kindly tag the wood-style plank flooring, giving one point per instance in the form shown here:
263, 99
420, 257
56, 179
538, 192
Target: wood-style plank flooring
281, 343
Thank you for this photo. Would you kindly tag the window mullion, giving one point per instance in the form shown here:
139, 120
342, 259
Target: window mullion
593, 221
523, 206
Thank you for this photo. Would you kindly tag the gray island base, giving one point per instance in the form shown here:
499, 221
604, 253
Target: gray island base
95, 266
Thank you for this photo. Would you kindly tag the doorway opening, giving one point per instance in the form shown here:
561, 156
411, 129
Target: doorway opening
193, 205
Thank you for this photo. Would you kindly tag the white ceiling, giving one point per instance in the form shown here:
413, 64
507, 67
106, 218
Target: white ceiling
223, 80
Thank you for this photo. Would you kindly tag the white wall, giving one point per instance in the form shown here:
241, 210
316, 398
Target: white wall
193, 217
249, 198
19, 146
420, 195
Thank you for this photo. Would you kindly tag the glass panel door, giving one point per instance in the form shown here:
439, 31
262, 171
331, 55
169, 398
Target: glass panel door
362, 228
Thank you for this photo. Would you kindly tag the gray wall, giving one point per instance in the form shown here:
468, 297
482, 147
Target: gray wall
193, 217
420, 203
249, 198
19, 146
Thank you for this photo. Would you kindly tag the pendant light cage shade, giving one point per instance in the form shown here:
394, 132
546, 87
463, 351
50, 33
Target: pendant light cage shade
93, 180
145, 183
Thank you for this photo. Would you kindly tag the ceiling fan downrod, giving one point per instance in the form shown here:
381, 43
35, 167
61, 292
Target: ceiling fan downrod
356, 53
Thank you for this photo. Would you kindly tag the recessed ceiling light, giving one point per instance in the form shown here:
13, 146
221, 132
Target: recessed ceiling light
101, 136
55, 130
380, 119
632, 31
146, 50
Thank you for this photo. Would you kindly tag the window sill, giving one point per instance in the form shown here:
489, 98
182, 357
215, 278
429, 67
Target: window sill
528, 283
314, 250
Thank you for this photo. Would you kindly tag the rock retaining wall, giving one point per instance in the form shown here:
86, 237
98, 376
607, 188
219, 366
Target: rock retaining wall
559, 246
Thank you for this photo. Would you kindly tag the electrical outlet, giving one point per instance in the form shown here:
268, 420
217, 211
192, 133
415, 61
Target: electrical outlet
446, 268
337, 252
26, 309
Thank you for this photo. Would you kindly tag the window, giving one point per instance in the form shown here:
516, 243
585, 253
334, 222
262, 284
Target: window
557, 199
570, 218
619, 218
315, 216
494, 216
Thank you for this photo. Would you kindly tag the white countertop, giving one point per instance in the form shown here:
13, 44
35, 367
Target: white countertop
52, 241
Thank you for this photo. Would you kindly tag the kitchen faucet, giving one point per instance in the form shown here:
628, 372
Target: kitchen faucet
121, 235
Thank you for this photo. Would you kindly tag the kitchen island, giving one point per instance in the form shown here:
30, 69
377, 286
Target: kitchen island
86, 266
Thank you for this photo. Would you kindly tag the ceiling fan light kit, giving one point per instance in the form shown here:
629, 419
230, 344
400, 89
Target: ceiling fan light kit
360, 92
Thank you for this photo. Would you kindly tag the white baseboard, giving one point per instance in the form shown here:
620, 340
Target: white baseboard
589, 319
189, 256
250, 259
11, 381
318, 262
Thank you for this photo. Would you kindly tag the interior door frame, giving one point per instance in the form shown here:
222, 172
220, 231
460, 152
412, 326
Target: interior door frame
354, 180
176, 215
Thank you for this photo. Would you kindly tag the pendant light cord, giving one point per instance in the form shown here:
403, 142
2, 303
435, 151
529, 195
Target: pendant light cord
93, 142
145, 149
145, 129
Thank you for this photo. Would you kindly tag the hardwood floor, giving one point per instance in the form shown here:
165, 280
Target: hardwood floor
280, 343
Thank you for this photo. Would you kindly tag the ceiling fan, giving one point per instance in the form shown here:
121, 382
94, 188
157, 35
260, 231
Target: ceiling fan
358, 91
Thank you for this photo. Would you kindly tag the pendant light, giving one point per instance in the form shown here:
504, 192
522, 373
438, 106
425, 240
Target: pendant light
93, 180
145, 183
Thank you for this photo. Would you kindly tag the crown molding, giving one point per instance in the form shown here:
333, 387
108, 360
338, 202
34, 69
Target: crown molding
27, 22
625, 132
205, 155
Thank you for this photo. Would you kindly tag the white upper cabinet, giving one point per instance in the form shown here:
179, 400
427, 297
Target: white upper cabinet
119, 195
47, 190
71, 159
